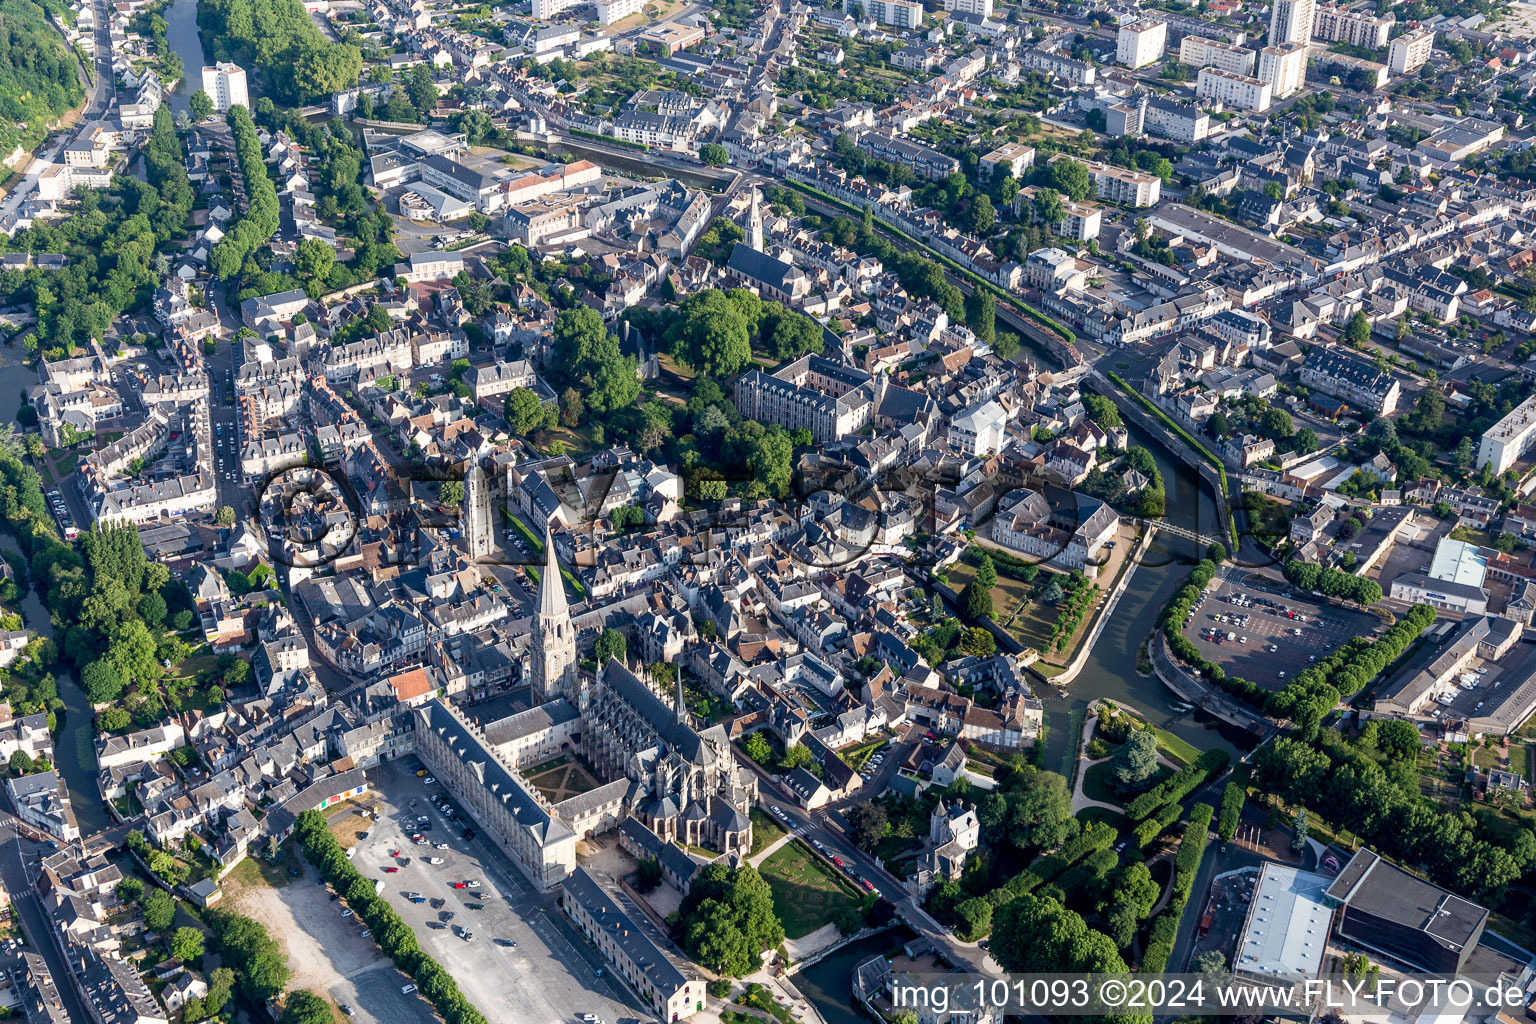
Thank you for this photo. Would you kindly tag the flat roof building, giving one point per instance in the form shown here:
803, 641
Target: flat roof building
1505, 442
1286, 931
1456, 561
1402, 917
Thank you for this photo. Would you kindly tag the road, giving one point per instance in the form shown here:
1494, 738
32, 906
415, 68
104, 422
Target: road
18, 869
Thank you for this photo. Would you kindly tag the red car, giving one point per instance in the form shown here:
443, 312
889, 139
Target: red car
460, 885
390, 871
838, 861
394, 853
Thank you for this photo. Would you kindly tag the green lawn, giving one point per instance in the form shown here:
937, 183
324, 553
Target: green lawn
1103, 814
1099, 782
1171, 746
807, 892
764, 831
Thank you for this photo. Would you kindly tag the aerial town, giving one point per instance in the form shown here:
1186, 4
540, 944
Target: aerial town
642, 511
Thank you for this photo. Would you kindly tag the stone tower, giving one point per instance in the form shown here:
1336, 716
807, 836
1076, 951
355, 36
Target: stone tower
553, 637
477, 514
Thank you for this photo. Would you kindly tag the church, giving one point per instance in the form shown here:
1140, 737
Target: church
681, 784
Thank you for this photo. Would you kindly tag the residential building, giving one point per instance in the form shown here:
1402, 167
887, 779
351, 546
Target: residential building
1507, 441
924, 161
1410, 51
982, 8
225, 85
1290, 21
42, 801
1354, 380
1012, 158
1119, 185
1200, 52
1140, 43
903, 14
1355, 27
827, 398
1284, 67
1231, 90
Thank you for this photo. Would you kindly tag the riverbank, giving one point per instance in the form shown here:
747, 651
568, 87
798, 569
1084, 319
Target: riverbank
1143, 542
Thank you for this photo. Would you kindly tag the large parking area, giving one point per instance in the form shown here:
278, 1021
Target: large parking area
1249, 629
524, 963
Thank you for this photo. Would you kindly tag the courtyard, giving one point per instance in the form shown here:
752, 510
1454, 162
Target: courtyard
560, 779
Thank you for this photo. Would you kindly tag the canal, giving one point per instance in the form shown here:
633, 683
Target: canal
74, 749
1110, 672
181, 33
828, 983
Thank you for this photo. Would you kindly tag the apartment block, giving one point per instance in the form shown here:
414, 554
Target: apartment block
1119, 185
1284, 67
225, 85
1290, 21
924, 162
1507, 440
1231, 90
1200, 52
896, 13
1010, 159
1409, 52
1141, 43
1358, 28
981, 7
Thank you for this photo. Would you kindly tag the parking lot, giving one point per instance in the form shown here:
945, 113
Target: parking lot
520, 941
1249, 630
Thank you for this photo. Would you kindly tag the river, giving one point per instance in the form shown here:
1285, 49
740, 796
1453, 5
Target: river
828, 983
74, 749
181, 33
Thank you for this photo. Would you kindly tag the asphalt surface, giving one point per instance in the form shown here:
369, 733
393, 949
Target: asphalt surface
18, 867
554, 971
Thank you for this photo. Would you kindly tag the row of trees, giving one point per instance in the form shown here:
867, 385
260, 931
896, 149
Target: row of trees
1332, 582
393, 935
1371, 787
260, 221
727, 921
1317, 689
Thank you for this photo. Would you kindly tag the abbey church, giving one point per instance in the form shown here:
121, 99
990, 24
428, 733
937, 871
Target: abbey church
681, 784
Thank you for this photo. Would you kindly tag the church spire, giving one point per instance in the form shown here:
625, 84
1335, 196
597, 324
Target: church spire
755, 222
678, 703
551, 587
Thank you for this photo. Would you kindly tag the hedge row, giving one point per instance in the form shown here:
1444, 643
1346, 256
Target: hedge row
1191, 849
1232, 801
390, 931
1317, 689
1148, 831
1178, 785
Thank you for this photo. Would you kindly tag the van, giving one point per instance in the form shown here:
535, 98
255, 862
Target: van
406, 990
351, 852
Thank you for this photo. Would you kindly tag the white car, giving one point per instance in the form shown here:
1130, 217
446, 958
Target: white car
473, 883
406, 990
434, 860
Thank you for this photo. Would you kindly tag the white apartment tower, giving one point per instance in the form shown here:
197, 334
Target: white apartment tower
225, 85
981, 7
1407, 53
1358, 28
1141, 43
1231, 90
477, 514
1284, 68
552, 637
1290, 21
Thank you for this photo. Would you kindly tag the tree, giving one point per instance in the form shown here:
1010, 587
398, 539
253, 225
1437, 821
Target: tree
221, 984
728, 919
1299, 830
712, 333
158, 908
186, 943
111, 720
312, 262
103, 682
983, 216
1137, 760
21, 763
524, 411
867, 825
130, 889
973, 919
714, 155
1358, 331
977, 601
226, 516
797, 756
1053, 592
304, 1007
1102, 411
451, 492
1135, 888
420, 89
1070, 178
610, 644
199, 105
1213, 965
758, 748
1049, 209
648, 874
